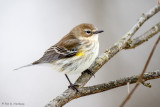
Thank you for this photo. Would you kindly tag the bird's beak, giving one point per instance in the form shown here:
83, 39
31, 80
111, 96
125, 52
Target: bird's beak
98, 31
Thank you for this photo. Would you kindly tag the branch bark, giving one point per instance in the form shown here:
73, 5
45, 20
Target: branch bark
124, 43
117, 83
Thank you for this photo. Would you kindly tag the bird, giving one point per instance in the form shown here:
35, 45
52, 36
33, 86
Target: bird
74, 53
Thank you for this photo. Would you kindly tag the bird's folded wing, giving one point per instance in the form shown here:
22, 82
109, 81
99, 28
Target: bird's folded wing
66, 49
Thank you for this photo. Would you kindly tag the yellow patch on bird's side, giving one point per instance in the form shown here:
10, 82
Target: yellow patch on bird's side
80, 53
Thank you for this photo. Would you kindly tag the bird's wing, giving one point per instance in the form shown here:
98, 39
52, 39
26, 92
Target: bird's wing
62, 50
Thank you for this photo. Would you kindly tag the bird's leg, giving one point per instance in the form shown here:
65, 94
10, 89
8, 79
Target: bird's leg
89, 72
74, 87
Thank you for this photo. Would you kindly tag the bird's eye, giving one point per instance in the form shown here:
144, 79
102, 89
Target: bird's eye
88, 31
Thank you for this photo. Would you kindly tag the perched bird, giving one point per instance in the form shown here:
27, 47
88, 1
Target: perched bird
74, 53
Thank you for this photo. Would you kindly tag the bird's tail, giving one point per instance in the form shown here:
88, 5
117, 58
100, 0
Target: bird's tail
24, 66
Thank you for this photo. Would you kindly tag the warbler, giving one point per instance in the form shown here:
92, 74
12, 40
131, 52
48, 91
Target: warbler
74, 53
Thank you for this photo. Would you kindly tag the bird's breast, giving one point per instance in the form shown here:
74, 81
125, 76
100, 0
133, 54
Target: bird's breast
81, 61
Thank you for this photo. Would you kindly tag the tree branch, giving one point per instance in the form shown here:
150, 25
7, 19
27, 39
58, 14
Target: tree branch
123, 43
143, 38
84, 91
117, 83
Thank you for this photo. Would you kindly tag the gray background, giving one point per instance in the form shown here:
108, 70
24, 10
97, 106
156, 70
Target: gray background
28, 28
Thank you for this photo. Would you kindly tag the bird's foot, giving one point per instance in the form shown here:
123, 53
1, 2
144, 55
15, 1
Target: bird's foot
74, 87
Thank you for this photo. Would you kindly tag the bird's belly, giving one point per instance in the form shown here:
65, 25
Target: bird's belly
76, 64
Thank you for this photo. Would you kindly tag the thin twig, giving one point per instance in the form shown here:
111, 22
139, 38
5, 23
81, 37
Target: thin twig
128, 87
141, 76
132, 43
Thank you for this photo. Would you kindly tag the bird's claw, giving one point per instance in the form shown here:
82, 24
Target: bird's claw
74, 87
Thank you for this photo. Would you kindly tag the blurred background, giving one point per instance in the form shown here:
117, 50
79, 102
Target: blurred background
29, 27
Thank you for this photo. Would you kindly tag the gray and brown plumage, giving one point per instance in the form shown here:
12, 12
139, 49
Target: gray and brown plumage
75, 52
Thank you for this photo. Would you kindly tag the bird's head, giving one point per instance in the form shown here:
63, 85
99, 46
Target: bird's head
86, 31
